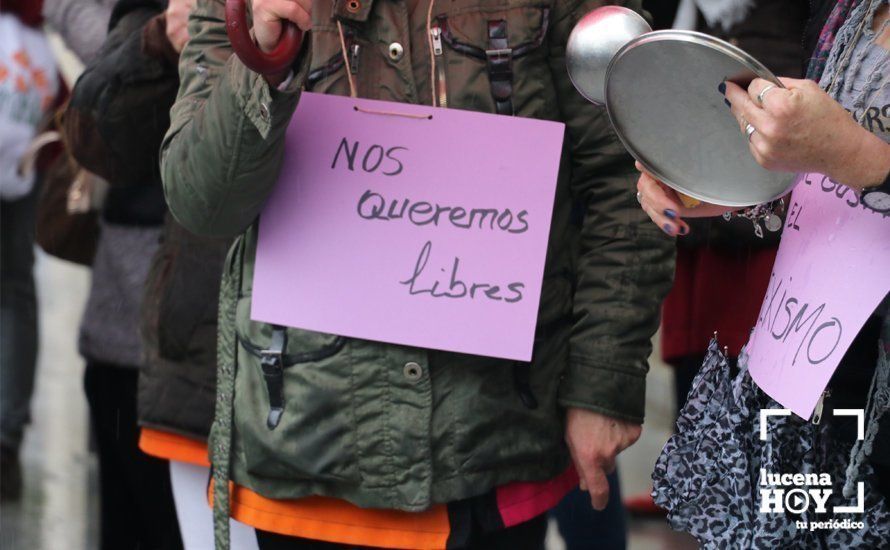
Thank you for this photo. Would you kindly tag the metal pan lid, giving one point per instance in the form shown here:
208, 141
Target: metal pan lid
663, 101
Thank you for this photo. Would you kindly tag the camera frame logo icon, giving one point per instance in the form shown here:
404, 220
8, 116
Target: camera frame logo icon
797, 499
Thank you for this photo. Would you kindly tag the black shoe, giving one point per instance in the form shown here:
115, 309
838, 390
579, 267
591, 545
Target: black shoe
10, 475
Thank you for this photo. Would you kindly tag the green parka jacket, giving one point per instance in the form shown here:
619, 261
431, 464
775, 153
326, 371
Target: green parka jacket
390, 426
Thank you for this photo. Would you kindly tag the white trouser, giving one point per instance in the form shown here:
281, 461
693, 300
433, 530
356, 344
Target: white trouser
194, 513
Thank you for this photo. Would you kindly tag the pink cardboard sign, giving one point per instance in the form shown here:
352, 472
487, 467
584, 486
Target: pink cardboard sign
831, 272
427, 230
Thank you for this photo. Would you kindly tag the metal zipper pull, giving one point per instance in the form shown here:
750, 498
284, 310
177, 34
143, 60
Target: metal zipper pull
441, 89
436, 34
354, 51
817, 412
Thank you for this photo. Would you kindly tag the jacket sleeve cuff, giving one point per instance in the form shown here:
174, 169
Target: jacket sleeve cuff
265, 106
604, 389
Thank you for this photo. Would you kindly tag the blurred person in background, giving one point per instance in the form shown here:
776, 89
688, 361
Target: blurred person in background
29, 84
82, 24
177, 382
136, 499
839, 128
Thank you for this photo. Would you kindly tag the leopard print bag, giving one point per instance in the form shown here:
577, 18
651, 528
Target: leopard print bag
708, 476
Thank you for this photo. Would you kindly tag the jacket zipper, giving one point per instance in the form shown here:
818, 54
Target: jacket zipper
354, 51
438, 53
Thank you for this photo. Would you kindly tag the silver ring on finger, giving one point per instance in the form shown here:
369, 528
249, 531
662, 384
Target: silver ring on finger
639, 197
763, 92
749, 131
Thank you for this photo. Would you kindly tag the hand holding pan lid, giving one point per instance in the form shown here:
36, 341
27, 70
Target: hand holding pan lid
661, 93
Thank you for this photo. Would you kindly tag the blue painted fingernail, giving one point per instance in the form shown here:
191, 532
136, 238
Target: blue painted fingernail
728, 104
670, 213
669, 229
722, 88
684, 230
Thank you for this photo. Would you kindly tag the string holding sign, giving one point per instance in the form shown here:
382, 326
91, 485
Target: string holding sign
392, 113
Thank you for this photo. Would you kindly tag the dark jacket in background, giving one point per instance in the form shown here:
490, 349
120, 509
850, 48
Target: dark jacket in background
107, 135
111, 127
177, 387
119, 114
662, 12
130, 224
772, 32
178, 384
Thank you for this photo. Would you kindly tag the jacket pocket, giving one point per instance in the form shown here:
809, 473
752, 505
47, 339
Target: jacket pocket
493, 58
506, 414
301, 346
292, 402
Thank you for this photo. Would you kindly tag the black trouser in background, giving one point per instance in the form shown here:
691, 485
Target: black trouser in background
525, 536
18, 318
685, 369
137, 509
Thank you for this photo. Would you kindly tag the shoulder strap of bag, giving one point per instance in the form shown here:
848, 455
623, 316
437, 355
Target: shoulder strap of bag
221, 431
